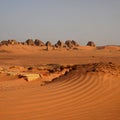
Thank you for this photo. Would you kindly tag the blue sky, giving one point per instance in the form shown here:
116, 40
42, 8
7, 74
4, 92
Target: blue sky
80, 20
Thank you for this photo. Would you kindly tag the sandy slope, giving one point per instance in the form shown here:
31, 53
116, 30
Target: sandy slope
79, 95
31, 55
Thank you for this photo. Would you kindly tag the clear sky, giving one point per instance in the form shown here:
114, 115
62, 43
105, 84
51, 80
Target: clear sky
80, 20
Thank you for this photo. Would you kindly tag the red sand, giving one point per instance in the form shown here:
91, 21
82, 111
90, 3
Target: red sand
77, 95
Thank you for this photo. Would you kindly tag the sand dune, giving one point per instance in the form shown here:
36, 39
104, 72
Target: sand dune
89, 92
110, 47
33, 55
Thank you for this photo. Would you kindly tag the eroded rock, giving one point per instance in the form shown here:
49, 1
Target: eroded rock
29, 77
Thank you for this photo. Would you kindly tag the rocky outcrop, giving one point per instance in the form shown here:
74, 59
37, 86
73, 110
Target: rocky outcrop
29, 77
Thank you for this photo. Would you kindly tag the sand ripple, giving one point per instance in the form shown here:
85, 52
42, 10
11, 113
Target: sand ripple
85, 96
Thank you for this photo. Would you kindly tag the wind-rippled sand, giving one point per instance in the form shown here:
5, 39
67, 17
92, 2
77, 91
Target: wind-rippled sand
81, 94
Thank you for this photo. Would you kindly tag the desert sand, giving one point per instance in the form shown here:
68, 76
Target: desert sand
86, 87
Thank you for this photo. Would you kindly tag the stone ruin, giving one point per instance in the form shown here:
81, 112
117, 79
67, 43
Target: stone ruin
29, 42
91, 43
8, 42
48, 43
71, 43
60, 44
68, 44
38, 42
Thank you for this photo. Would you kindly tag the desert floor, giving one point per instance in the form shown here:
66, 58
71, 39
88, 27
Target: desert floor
88, 92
